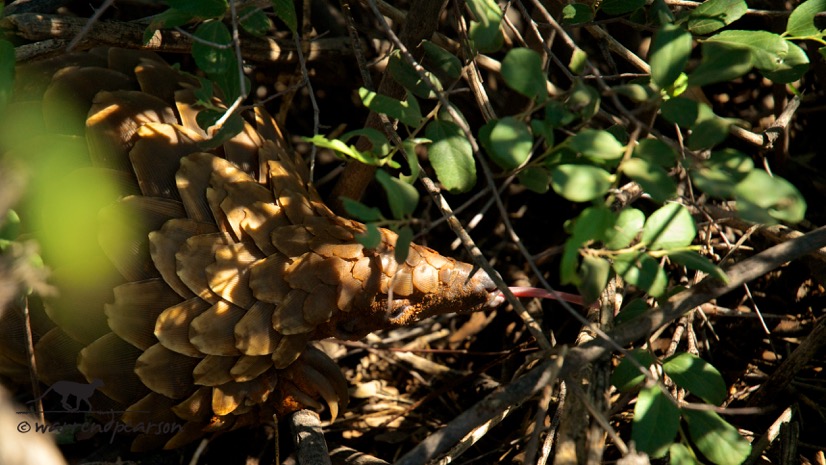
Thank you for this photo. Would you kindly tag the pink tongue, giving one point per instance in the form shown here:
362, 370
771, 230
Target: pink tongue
520, 291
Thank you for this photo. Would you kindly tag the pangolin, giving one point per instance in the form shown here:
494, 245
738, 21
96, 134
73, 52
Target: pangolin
226, 264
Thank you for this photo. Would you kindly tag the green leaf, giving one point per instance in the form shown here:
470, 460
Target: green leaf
636, 92
556, 115
255, 21
540, 127
407, 112
484, 31
402, 249
620, 7
670, 227
628, 225
231, 127
716, 439
579, 59
440, 61
509, 142
596, 144
378, 140
765, 199
371, 238
679, 454
411, 158
656, 152
642, 271
653, 178
656, 421
699, 377
593, 277
535, 178
368, 158
627, 375
631, 310
767, 49
794, 66
407, 76
360, 211
7, 61
715, 14
576, 13
708, 133
285, 11
402, 197
451, 156
216, 56
718, 175
580, 183
802, 20
681, 111
591, 225
583, 100
721, 62
695, 261
522, 72
670, 51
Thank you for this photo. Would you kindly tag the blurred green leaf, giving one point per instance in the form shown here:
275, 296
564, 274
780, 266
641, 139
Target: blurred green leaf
255, 21
695, 261
721, 62
681, 111
723, 170
656, 421
802, 20
285, 11
679, 454
366, 157
451, 156
576, 13
407, 112
708, 133
402, 197
762, 198
768, 50
596, 144
378, 140
642, 271
593, 277
591, 225
580, 183
653, 178
440, 61
670, 50
656, 152
402, 249
670, 227
627, 375
231, 127
371, 238
484, 31
794, 66
699, 377
522, 72
508, 143
715, 14
583, 100
360, 211
535, 178
628, 225
631, 310
407, 76
715, 438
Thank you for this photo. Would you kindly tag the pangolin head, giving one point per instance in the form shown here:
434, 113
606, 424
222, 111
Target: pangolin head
426, 284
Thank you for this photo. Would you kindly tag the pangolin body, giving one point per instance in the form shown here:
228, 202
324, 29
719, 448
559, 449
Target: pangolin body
225, 263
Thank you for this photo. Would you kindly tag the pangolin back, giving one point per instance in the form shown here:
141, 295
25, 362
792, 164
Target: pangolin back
225, 263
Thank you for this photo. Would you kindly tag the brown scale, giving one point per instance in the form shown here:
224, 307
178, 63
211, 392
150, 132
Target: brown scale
234, 263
